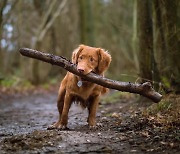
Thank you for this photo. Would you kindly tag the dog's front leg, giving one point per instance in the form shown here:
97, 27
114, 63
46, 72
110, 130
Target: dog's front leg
60, 104
92, 111
64, 115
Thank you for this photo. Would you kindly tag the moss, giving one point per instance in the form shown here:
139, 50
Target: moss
166, 82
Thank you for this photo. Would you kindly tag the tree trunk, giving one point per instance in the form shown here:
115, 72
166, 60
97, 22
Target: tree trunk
2, 6
47, 22
145, 39
147, 65
159, 37
166, 43
135, 37
35, 78
173, 73
86, 22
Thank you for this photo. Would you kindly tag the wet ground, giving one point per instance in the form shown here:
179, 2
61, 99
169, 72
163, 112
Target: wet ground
24, 121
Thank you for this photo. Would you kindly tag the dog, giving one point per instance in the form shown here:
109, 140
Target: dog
74, 89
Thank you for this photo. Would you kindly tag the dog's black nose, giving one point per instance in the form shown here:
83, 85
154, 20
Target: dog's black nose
81, 70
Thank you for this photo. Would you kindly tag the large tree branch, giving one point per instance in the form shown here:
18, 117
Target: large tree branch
144, 89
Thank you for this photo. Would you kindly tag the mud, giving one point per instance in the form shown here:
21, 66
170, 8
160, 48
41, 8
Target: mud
24, 121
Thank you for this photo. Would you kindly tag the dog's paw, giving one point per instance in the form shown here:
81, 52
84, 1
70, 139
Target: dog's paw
99, 125
62, 127
51, 127
57, 125
93, 127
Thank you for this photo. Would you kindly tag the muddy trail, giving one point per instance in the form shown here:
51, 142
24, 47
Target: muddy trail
24, 121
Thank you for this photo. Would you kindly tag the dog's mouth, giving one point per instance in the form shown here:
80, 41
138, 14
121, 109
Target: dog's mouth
81, 79
93, 71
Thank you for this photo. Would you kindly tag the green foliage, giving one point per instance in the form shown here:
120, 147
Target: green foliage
15, 82
123, 76
45, 86
178, 136
49, 83
115, 97
112, 98
53, 81
162, 106
166, 82
166, 114
7, 82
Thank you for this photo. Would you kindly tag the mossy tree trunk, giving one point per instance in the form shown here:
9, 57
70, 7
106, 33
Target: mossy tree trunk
166, 43
160, 46
147, 64
173, 54
2, 6
87, 22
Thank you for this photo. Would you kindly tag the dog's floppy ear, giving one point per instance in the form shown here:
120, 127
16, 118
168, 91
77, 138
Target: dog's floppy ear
104, 60
76, 53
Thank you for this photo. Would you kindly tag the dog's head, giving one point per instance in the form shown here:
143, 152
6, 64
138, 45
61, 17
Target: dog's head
90, 59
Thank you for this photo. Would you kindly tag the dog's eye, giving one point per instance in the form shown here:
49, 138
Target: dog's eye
81, 57
91, 59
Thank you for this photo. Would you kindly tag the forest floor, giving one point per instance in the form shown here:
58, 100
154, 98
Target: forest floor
123, 127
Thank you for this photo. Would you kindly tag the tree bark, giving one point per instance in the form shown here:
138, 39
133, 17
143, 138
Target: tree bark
145, 39
144, 89
160, 46
166, 43
145, 36
170, 21
47, 23
135, 35
147, 64
86, 22
2, 6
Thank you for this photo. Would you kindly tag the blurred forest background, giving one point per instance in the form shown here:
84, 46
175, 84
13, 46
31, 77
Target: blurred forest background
143, 37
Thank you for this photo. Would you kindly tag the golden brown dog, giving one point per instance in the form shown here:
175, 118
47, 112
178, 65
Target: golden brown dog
73, 88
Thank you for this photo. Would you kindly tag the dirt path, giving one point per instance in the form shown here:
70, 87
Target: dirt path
23, 123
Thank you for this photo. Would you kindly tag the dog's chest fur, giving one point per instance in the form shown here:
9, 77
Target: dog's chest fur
85, 90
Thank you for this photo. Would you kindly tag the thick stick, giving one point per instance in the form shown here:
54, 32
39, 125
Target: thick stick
144, 89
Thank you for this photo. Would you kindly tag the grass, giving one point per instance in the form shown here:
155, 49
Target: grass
162, 106
166, 112
14, 84
115, 96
